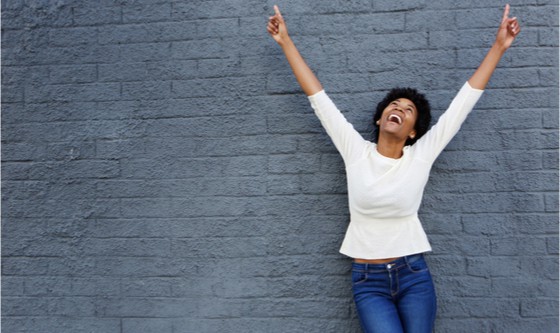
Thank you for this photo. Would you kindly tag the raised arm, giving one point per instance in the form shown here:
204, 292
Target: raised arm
305, 77
508, 30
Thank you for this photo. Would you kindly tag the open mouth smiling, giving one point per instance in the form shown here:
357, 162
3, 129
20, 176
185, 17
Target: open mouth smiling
395, 119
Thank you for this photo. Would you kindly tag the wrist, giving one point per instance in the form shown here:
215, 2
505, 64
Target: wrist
286, 42
499, 48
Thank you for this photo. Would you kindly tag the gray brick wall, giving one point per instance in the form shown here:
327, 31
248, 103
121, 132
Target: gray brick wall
162, 172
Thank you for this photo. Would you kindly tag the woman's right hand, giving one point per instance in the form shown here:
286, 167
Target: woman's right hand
277, 27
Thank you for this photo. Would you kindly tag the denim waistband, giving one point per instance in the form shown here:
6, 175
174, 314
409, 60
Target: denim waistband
395, 264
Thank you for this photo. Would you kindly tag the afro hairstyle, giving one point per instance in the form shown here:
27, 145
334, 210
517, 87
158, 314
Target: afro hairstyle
422, 106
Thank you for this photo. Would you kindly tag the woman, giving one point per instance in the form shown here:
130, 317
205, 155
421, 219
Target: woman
392, 286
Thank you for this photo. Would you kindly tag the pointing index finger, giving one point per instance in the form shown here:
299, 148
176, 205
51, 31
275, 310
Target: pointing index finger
277, 11
506, 13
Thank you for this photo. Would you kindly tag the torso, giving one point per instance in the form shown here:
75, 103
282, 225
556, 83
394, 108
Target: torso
374, 261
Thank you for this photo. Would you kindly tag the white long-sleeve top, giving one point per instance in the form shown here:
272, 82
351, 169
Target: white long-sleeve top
384, 194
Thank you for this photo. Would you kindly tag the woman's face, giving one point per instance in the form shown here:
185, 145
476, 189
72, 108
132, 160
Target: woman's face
398, 119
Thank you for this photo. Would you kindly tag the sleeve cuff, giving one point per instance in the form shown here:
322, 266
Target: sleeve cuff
317, 95
473, 89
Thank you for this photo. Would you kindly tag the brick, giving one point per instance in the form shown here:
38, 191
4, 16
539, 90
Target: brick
551, 202
548, 37
78, 54
493, 266
449, 266
16, 75
13, 94
525, 324
323, 183
193, 147
73, 74
139, 33
212, 68
143, 52
488, 224
46, 112
217, 28
242, 86
208, 126
548, 119
72, 36
142, 267
480, 17
126, 247
70, 286
82, 92
302, 163
146, 307
241, 247
462, 183
192, 207
519, 161
552, 245
185, 168
146, 13
471, 161
462, 325
19, 228
96, 15
480, 307
61, 324
544, 181
398, 5
518, 246
477, 246
72, 306
283, 184
424, 20
22, 152
241, 186
355, 24
196, 49
214, 9
70, 151
24, 266
535, 224
12, 286
149, 287
146, 90
130, 325
547, 77
441, 224
541, 16
11, 20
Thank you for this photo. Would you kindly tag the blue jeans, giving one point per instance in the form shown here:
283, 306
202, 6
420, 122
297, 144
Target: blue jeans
397, 297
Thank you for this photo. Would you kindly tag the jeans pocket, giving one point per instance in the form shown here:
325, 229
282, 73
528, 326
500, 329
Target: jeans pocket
358, 277
418, 266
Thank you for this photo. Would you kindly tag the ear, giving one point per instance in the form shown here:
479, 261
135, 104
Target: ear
412, 134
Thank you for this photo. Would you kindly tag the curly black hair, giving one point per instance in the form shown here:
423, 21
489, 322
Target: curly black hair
422, 106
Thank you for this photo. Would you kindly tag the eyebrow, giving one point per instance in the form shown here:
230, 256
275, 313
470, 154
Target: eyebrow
411, 105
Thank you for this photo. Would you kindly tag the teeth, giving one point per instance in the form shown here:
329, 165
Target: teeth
397, 118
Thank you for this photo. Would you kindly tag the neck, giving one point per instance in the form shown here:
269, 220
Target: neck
390, 148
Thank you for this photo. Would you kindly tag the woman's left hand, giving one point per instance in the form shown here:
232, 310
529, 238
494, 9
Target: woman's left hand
509, 29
